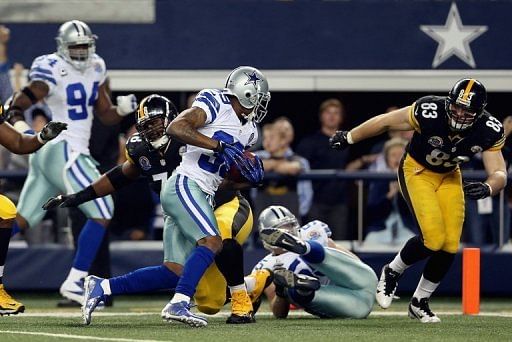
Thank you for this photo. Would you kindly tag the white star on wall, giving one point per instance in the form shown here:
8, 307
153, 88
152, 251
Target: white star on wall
453, 38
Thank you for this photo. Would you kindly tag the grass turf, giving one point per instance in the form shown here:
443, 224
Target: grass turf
145, 324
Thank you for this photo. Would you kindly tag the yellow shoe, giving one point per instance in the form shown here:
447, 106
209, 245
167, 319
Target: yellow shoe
241, 308
263, 278
8, 305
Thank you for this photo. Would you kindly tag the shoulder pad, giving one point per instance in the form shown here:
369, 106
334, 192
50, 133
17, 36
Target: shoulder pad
492, 130
44, 69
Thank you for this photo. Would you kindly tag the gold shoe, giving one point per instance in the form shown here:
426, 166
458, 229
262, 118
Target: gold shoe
241, 308
263, 278
8, 305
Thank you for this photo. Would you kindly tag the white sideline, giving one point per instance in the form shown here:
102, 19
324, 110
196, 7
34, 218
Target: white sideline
76, 337
60, 314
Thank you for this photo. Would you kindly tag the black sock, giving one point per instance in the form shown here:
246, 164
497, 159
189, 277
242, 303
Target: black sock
5, 237
414, 251
438, 265
230, 262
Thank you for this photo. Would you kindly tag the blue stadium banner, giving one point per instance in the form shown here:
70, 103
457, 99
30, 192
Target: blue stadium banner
312, 35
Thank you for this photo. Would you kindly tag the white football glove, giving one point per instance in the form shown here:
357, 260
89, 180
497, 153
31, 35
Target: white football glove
126, 104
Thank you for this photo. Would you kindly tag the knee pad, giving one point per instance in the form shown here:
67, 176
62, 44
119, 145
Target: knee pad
7, 208
434, 243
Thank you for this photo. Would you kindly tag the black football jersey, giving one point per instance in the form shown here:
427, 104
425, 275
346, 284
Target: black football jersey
155, 166
440, 149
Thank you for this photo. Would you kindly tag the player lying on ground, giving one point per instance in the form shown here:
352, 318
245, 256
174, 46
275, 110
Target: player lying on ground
152, 154
310, 271
71, 81
19, 143
447, 131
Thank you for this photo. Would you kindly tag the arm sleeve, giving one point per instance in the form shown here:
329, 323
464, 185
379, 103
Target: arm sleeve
412, 118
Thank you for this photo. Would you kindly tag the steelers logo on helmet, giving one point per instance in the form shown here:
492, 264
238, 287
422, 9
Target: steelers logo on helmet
465, 103
153, 116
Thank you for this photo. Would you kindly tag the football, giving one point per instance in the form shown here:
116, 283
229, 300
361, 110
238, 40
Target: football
234, 174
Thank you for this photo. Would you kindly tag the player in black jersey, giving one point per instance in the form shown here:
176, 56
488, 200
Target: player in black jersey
447, 131
151, 154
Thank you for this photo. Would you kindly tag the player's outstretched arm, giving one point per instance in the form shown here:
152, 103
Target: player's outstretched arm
184, 128
112, 180
397, 120
20, 143
110, 114
34, 92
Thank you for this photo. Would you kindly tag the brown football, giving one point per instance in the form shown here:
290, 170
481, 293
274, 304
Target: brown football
234, 174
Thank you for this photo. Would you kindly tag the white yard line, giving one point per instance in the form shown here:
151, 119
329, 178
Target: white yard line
76, 337
60, 314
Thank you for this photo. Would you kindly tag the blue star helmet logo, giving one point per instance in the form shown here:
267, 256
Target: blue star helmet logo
252, 78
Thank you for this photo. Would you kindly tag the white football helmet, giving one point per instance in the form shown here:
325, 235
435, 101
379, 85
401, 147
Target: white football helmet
277, 216
71, 35
250, 87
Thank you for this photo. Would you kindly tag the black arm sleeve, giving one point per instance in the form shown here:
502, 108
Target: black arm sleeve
117, 177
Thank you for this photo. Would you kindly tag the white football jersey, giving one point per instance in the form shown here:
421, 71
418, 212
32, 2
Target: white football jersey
315, 230
72, 95
222, 123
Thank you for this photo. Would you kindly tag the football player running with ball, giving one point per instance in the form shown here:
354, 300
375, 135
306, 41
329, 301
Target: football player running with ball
71, 81
447, 131
311, 271
151, 153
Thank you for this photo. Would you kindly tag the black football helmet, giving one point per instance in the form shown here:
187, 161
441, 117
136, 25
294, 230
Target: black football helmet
465, 103
153, 116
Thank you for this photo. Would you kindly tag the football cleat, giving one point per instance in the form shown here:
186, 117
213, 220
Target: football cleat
386, 287
180, 312
241, 308
419, 309
93, 295
263, 278
301, 282
280, 238
73, 290
8, 305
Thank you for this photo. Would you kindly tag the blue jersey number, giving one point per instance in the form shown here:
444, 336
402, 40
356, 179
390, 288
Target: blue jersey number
214, 163
77, 100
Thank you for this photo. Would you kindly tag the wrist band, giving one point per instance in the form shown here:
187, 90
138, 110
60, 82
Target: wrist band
349, 138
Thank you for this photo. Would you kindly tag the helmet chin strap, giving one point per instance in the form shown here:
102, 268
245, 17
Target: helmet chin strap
159, 143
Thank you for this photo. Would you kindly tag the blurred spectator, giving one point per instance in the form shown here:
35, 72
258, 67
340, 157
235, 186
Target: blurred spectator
329, 203
482, 217
279, 158
389, 218
5, 80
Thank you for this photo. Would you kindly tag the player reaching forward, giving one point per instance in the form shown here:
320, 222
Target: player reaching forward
447, 131
311, 271
71, 82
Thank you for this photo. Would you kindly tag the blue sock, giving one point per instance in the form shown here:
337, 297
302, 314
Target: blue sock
195, 266
316, 253
15, 229
89, 242
144, 280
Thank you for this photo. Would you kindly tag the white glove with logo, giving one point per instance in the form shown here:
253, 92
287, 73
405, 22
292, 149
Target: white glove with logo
126, 104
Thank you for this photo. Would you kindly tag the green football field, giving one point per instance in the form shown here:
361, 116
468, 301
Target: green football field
138, 319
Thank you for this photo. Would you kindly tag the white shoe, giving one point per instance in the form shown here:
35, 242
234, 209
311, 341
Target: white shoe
73, 290
386, 287
419, 309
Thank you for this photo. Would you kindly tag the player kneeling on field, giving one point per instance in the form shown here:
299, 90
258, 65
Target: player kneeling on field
310, 271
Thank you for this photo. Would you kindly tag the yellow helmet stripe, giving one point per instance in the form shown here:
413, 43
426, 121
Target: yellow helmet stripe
468, 89
140, 113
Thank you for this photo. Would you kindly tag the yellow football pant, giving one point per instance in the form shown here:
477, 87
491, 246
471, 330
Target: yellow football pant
7, 208
235, 221
436, 201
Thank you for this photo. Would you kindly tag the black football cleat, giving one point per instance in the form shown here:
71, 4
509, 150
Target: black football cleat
287, 278
280, 238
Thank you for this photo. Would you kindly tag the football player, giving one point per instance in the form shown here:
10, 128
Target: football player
19, 143
71, 82
447, 131
151, 153
311, 271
